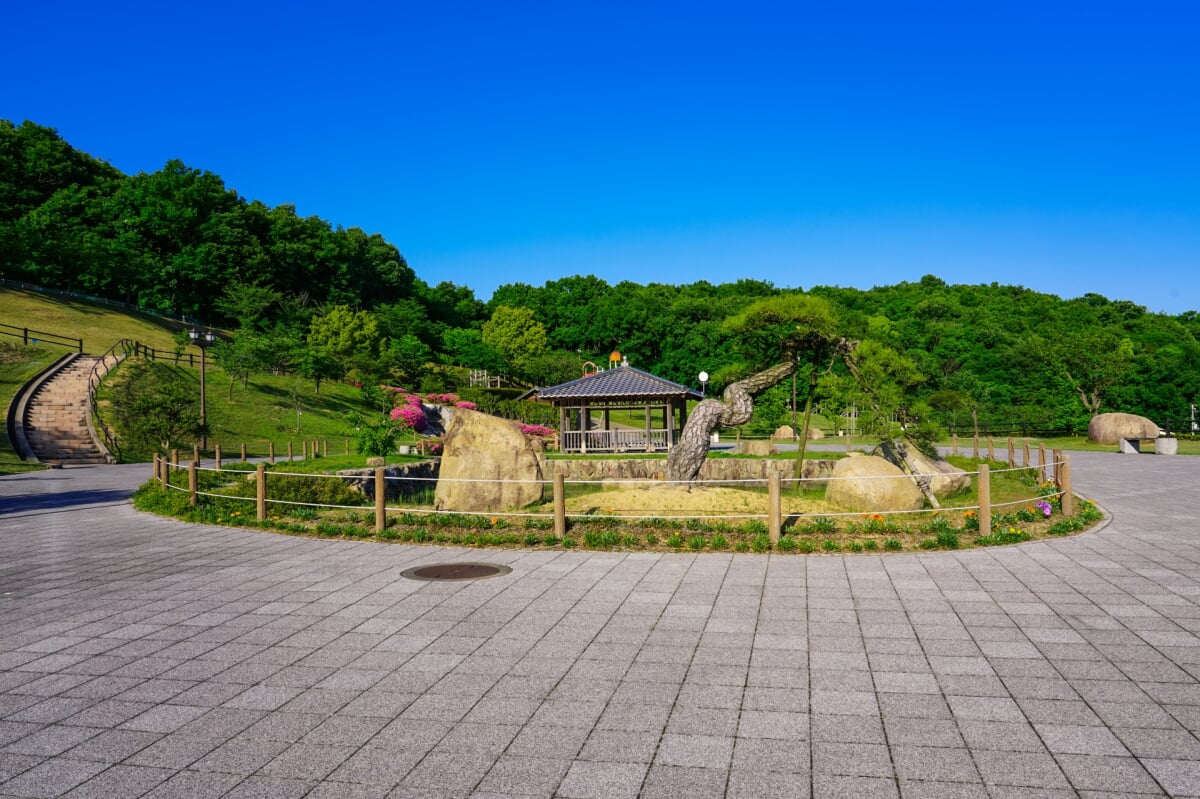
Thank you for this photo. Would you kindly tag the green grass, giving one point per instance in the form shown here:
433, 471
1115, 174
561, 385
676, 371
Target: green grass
264, 413
100, 326
18, 364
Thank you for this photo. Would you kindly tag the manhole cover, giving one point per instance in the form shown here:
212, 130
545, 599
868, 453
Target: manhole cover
455, 571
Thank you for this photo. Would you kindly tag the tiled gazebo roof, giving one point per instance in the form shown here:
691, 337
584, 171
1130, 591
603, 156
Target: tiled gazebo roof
621, 383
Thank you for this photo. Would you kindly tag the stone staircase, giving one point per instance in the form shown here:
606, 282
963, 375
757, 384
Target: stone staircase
55, 417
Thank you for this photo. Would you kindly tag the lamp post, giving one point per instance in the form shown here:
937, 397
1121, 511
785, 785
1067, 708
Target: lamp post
703, 381
203, 341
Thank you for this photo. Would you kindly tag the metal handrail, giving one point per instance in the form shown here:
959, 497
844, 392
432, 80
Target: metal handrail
94, 377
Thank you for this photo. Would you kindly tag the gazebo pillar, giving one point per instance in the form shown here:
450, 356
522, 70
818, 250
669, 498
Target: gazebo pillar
649, 439
584, 423
562, 428
669, 423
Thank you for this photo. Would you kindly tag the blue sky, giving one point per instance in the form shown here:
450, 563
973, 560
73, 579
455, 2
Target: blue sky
1049, 144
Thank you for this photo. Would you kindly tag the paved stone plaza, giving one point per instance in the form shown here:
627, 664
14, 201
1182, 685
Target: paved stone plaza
146, 657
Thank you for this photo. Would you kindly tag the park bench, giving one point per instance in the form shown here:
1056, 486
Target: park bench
1163, 445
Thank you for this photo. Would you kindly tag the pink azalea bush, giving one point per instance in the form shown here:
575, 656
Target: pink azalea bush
441, 399
470, 406
409, 413
537, 430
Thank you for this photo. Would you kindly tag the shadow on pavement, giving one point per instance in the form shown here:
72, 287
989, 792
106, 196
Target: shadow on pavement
11, 505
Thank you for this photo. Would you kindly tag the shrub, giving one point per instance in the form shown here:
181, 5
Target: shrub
818, 525
947, 539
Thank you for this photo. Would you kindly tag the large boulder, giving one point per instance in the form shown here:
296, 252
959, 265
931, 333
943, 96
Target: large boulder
488, 465
1110, 428
783, 433
755, 447
868, 483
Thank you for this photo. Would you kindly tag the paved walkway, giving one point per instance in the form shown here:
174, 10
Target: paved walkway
142, 656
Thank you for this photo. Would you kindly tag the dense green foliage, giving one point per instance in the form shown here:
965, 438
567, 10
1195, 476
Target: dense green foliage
306, 298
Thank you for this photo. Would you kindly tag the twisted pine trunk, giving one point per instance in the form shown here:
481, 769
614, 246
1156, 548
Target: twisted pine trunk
735, 408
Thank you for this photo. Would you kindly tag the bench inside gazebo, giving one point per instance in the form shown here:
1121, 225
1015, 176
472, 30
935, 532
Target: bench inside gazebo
585, 409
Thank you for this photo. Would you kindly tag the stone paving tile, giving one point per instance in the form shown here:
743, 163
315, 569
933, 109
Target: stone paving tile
590, 780
1027, 671
121, 781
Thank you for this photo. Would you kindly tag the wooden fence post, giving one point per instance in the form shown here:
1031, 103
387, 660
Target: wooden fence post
192, 483
560, 506
243, 453
954, 445
174, 459
985, 500
1012, 454
1062, 479
324, 447
1041, 464
774, 510
217, 455
991, 449
271, 452
289, 451
195, 452
380, 500
260, 479
1024, 453
975, 448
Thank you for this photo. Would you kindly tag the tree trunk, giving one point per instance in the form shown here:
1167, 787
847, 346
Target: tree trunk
896, 453
802, 443
735, 408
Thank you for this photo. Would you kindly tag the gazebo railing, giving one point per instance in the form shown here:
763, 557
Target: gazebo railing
613, 440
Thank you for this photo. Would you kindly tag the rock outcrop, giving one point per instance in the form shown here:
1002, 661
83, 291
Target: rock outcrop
479, 452
1110, 428
868, 483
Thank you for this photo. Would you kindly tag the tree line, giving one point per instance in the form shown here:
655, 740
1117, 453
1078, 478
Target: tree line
301, 295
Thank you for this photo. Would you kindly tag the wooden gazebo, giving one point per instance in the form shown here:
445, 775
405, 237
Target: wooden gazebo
585, 406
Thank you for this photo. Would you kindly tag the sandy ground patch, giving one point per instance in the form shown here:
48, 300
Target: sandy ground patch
662, 501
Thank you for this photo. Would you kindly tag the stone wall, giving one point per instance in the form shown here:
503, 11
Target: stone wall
422, 475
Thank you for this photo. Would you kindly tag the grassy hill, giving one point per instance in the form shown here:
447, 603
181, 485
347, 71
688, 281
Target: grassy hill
263, 412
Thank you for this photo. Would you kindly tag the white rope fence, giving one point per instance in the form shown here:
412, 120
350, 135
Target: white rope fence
774, 514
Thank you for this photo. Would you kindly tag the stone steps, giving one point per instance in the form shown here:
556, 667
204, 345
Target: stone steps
56, 417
